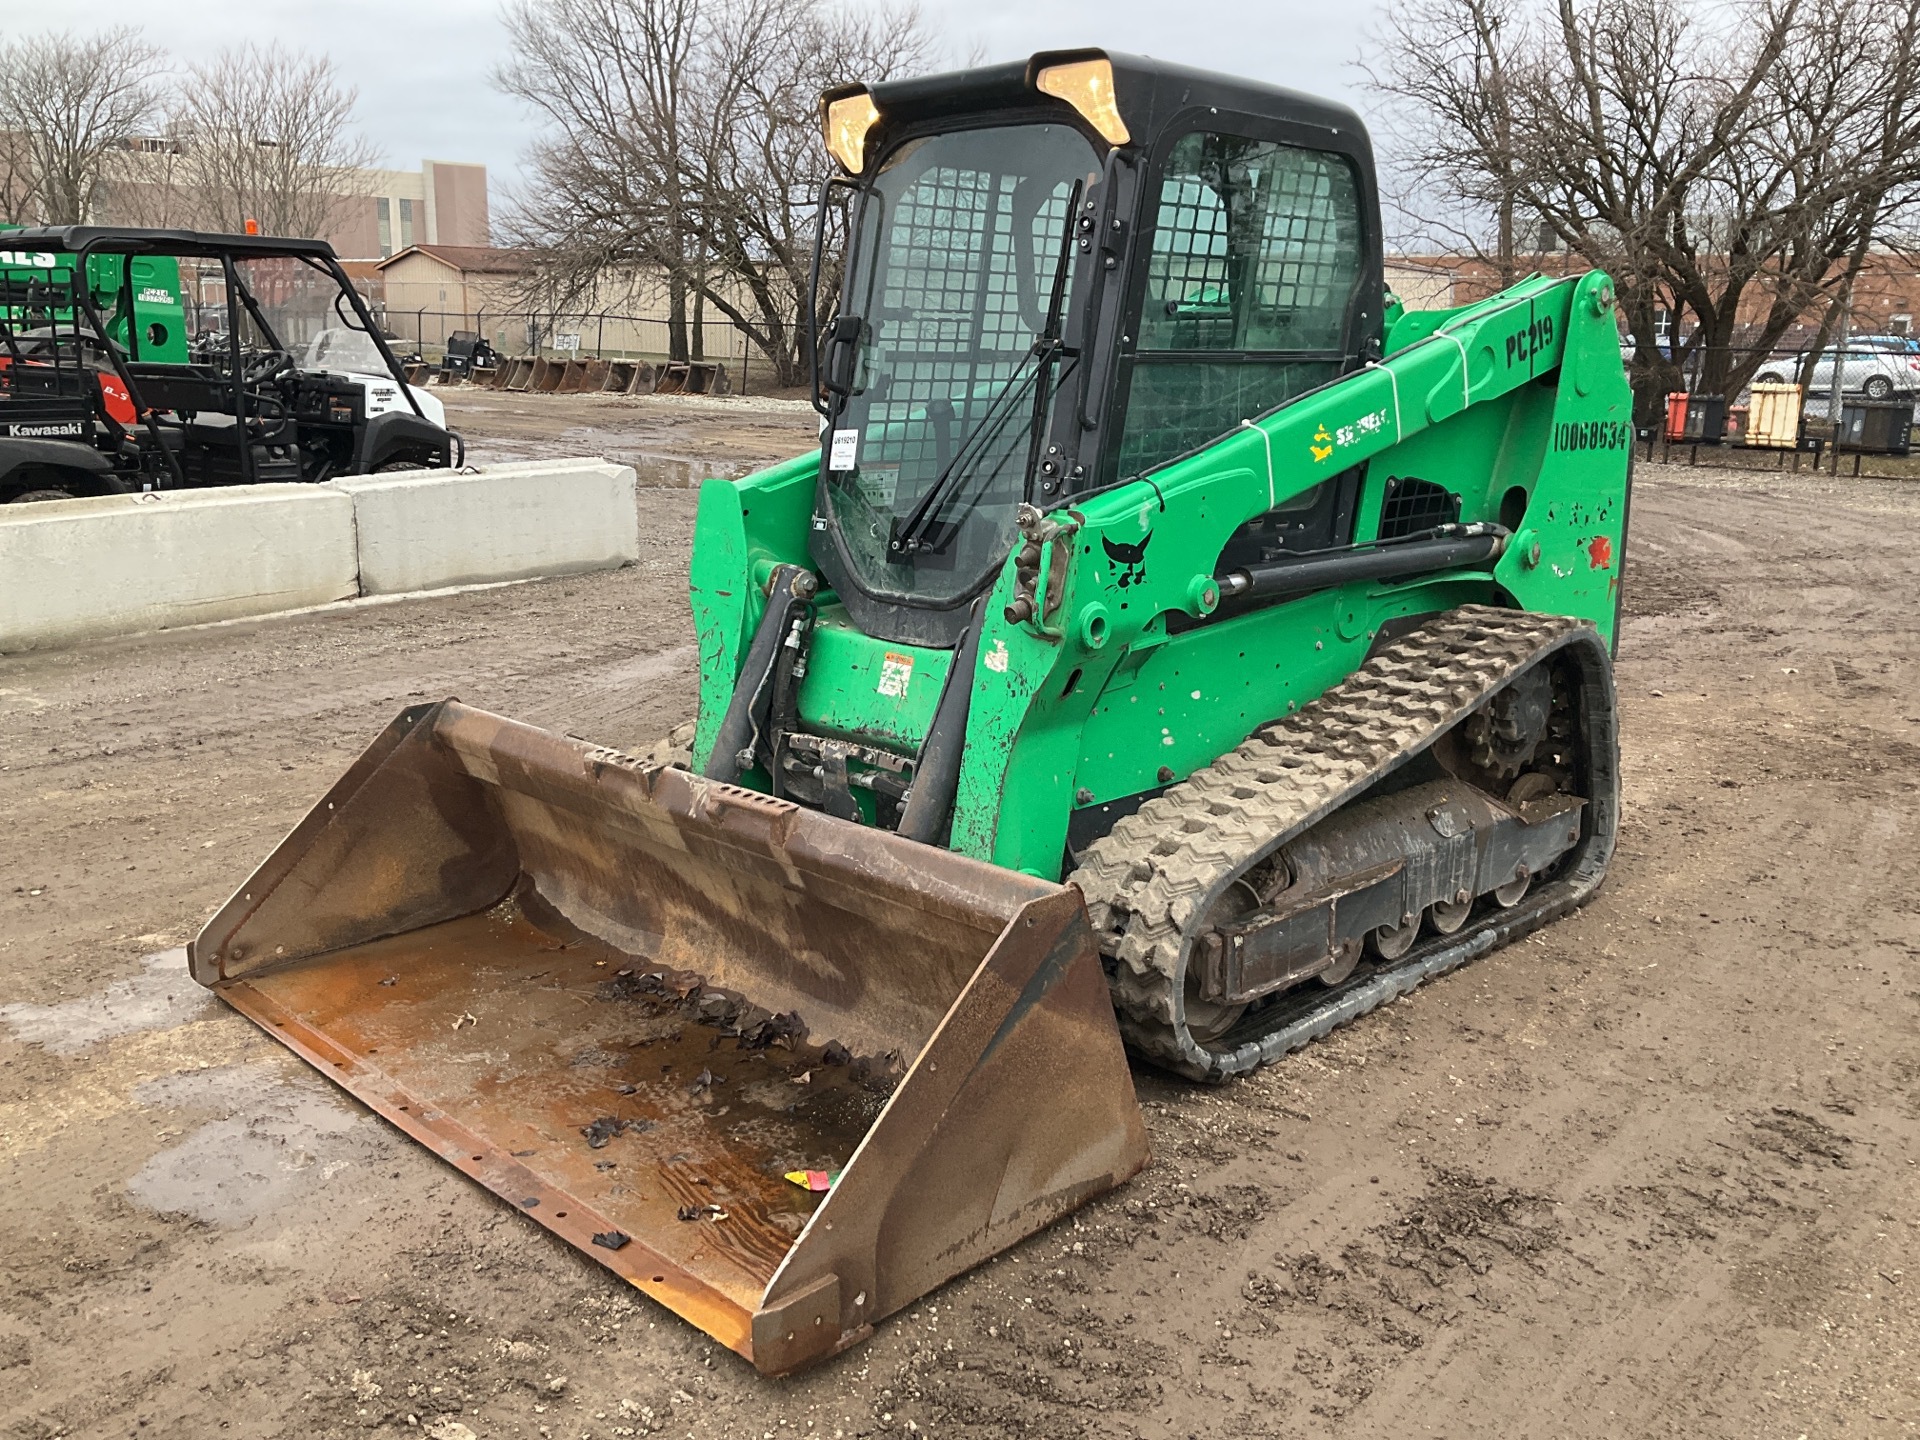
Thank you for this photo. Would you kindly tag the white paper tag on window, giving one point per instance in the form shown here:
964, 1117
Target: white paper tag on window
844, 452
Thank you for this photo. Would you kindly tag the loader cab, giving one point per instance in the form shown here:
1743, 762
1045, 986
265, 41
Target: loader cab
1061, 275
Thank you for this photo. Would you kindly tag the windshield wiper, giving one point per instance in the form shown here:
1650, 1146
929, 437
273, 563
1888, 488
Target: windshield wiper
907, 532
1056, 303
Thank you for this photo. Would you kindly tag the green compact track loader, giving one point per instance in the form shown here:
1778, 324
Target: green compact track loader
1174, 644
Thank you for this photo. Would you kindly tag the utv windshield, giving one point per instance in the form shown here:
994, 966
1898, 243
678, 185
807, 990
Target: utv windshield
342, 350
957, 277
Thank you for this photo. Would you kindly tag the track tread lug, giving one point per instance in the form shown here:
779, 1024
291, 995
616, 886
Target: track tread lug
1158, 868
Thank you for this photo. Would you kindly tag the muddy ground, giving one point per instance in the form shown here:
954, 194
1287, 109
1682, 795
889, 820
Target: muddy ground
1650, 1173
670, 440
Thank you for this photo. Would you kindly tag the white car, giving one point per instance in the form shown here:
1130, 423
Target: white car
1877, 369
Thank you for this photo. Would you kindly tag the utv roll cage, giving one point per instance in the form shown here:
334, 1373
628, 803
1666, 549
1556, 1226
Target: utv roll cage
154, 388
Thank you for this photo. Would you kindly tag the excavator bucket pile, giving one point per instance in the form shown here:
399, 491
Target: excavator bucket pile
632, 1002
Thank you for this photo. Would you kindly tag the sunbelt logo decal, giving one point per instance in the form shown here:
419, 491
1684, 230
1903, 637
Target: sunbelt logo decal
1324, 443
36, 259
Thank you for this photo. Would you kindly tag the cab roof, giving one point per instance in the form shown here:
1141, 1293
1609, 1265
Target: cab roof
1149, 93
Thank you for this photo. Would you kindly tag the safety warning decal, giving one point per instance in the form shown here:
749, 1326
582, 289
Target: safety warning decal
895, 671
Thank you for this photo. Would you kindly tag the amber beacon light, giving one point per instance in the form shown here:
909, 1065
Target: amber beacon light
848, 120
1087, 85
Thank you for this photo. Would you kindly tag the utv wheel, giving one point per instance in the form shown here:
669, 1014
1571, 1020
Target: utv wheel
51, 484
1878, 387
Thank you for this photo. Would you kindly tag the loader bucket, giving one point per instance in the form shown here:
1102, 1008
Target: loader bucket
631, 1001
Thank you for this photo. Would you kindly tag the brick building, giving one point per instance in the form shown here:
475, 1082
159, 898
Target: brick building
378, 212
1886, 297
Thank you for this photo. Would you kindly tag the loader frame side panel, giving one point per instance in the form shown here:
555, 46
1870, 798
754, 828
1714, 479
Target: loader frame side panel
1463, 398
1517, 402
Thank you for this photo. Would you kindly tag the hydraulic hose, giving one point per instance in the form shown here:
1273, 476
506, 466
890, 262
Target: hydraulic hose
1447, 549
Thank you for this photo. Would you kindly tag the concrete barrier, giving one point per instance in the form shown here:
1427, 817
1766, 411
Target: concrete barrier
74, 570
77, 570
424, 530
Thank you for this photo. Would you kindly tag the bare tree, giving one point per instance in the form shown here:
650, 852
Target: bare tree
72, 100
265, 136
605, 191
19, 182
762, 161
1730, 167
683, 140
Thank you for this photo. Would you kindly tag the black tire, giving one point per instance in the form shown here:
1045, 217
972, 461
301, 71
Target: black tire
395, 464
1769, 379
56, 486
1878, 387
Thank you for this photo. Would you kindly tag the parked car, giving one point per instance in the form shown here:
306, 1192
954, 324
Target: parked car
1878, 367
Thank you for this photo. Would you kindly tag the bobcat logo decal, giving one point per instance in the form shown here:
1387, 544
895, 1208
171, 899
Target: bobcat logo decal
1130, 561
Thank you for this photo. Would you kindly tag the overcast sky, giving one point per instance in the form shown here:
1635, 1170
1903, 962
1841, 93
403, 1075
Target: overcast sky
421, 65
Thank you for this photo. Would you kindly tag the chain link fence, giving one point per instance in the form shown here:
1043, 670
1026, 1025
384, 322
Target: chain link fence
1855, 400
581, 335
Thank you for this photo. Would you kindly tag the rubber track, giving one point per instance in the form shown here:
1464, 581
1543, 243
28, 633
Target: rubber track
1155, 875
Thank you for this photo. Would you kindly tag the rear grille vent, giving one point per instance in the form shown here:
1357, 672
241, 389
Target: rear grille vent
1413, 506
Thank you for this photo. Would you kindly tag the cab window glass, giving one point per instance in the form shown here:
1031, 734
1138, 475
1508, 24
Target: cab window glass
1256, 246
1256, 250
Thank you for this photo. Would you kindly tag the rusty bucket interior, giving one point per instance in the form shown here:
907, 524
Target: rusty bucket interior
632, 1002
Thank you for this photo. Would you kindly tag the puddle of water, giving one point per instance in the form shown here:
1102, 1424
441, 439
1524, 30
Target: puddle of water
671, 472
652, 470
160, 997
279, 1142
